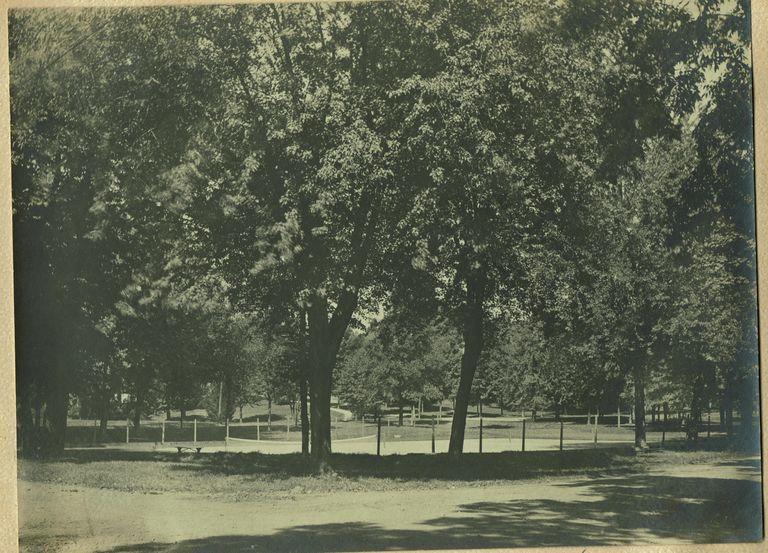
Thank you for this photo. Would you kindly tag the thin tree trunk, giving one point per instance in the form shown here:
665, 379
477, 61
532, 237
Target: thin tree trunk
137, 411
304, 416
269, 412
473, 346
400, 412
104, 419
639, 378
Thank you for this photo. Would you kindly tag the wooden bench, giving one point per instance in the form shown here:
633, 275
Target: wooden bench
181, 448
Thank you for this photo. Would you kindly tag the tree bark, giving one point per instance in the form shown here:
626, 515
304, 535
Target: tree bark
104, 419
55, 421
400, 412
696, 405
473, 346
137, 411
320, 363
304, 416
639, 378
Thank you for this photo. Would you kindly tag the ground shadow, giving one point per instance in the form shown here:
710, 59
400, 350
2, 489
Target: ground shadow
639, 509
468, 467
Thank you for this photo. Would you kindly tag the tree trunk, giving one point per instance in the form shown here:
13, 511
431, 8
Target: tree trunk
55, 421
221, 392
400, 412
473, 346
182, 414
696, 401
269, 412
137, 411
639, 378
28, 427
747, 434
304, 416
104, 419
320, 365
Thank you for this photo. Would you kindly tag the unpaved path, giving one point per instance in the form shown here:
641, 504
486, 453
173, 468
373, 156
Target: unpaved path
691, 503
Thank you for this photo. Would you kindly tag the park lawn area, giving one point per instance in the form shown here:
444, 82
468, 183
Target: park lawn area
246, 476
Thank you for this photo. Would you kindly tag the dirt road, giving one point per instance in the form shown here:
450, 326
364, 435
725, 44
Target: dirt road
692, 503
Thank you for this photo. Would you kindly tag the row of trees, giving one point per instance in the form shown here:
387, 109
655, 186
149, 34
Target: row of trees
428, 187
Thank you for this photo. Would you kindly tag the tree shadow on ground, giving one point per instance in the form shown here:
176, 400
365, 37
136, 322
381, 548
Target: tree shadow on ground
639, 509
469, 466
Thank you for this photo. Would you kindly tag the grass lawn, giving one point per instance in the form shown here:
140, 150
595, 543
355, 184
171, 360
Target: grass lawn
244, 476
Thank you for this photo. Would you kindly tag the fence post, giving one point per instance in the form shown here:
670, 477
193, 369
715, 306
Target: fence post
433, 434
194, 431
258, 429
378, 435
595, 431
127, 430
481, 434
561, 435
162, 433
523, 439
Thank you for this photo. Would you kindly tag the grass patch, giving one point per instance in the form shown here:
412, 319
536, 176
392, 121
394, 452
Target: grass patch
245, 476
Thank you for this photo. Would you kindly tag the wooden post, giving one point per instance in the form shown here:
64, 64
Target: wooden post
378, 435
258, 429
162, 433
127, 430
523, 437
595, 429
194, 432
561, 435
481, 434
433, 434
